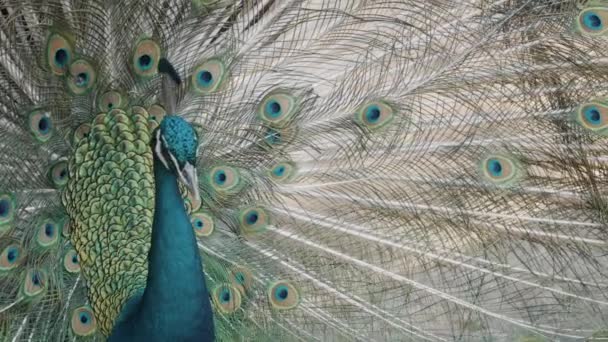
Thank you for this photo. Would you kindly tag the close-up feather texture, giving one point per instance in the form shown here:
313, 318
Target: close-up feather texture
304, 170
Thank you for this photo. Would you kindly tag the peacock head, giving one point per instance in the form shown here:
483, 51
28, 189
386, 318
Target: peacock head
175, 145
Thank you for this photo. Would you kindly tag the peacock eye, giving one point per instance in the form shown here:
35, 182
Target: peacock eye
225, 179
48, 233
111, 100
277, 109
59, 174
41, 125
591, 20
226, 298
70, 261
283, 295
146, 56
208, 77
59, 53
34, 283
254, 220
500, 170
241, 278
282, 172
7, 210
10, 258
81, 132
374, 115
202, 223
83, 321
82, 77
593, 116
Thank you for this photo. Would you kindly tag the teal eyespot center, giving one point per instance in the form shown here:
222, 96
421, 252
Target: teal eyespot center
199, 223
220, 177
36, 279
593, 21
281, 293
279, 171
273, 109
144, 62
372, 114
44, 125
84, 318
12, 255
593, 116
75, 258
205, 78
82, 79
252, 217
49, 230
5, 207
61, 57
225, 296
494, 167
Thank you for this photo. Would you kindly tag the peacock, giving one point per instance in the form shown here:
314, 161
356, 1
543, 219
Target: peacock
304, 170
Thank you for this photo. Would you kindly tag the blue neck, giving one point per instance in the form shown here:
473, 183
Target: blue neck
175, 304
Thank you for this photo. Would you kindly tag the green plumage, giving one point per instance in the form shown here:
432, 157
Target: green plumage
368, 170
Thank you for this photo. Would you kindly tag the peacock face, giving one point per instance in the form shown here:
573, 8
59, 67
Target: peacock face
176, 147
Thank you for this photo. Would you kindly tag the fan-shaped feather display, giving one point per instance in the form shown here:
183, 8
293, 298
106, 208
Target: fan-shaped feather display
303, 170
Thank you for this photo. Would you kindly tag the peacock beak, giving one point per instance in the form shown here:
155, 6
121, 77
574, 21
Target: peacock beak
189, 177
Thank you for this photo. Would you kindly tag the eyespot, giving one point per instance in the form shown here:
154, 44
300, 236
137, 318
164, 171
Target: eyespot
208, 77
11, 257
83, 321
145, 58
81, 132
254, 220
48, 233
225, 179
591, 21
7, 209
500, 170
203, 223
41, 125
594, 117
282, 172
82, 77
59, 173
35, 282
59, 53
226, 298
156, 115
111, 100
277, 109
374, 115
241, 278
283, 295
71, 263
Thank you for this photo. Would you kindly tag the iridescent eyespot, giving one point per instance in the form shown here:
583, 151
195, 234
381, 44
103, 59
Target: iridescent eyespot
70, 261
83, 321
203, 223
254, 220
40, 125
591, 21
208, 77
48, 233
593, 116
111, 100
82, 77
59, 173
283, 295
226, 298
500, 170
59, 52
81, 132
35, 282
282, 172
10, 257
145, 58
374, 115
7, 209
241, 278
277, 109
225, 179
156, 115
